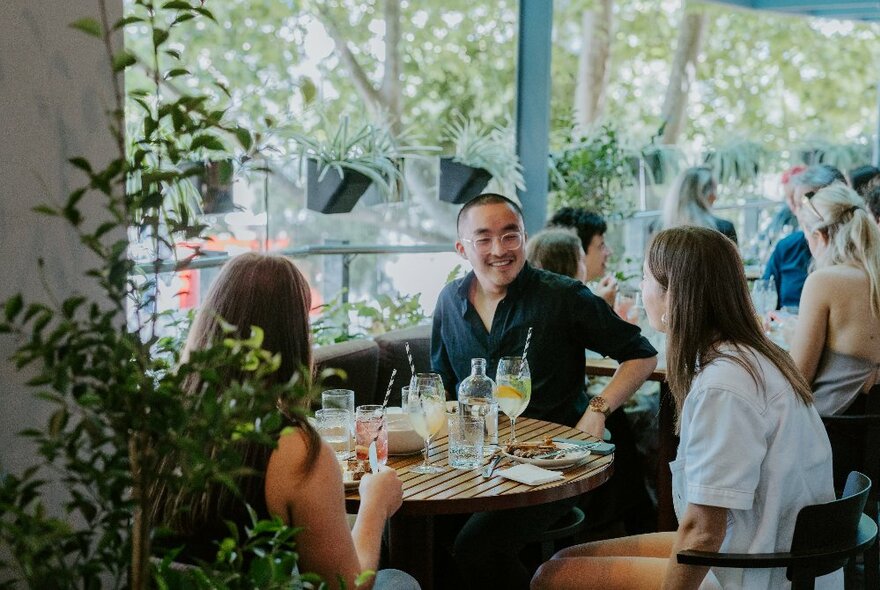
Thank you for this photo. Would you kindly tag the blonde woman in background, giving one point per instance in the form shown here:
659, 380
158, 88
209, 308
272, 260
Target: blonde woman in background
690, 202
837, 339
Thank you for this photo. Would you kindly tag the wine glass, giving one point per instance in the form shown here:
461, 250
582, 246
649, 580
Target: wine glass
514, 389
428, 380
427, 413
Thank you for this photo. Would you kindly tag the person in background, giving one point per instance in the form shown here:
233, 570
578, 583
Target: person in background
300, 480
690, 201
558, 250
785, 217
863, 178
838, 329
752, 451
624, 498
873, 201
790, 260
487, 314
590, 228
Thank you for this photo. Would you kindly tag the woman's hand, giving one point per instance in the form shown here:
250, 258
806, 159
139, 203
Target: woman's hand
382, 491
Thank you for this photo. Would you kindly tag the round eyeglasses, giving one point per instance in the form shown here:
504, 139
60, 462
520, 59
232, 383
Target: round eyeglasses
509, 241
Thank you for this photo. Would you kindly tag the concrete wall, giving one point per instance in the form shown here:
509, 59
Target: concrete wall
55, 87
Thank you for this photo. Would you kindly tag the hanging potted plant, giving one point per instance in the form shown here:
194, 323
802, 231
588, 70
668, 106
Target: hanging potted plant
341, 169
480, 155
817, 150
738, 161
661, 161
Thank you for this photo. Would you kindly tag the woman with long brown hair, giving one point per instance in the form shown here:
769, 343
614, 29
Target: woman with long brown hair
752, 448
300, 480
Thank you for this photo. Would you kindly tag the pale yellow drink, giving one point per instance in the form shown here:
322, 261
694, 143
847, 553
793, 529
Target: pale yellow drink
429, 420
513, 394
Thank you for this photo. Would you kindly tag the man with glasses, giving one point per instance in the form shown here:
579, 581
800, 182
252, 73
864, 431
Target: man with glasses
487, 314
790, 261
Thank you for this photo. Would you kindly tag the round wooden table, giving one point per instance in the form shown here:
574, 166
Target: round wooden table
457, 491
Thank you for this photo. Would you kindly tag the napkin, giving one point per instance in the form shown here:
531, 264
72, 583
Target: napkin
529, 474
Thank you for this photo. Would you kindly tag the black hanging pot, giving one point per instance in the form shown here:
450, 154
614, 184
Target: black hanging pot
459, 183
334, 193
214, 181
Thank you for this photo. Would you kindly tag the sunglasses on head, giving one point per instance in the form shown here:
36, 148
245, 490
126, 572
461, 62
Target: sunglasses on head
808, 199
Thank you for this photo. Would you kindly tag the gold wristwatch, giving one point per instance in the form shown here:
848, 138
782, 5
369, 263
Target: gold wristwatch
599, 404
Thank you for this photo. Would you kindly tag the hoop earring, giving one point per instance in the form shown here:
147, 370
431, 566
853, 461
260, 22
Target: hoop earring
663, 318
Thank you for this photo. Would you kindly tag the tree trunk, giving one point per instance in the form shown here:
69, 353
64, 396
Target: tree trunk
683, 73
592, 78
383, 103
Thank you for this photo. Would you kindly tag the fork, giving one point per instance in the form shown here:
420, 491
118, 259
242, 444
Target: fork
493, 463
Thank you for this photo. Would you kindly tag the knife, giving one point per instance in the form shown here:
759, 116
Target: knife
595, 446
374, 457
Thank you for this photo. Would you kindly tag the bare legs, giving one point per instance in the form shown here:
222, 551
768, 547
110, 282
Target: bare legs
629, 562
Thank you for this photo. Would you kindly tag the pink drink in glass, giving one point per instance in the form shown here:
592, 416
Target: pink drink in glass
369, 426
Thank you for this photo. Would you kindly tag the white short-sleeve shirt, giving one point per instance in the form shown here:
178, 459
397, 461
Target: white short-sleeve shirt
758, 451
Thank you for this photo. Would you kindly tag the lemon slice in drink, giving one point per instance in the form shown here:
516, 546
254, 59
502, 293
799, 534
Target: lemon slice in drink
508, 392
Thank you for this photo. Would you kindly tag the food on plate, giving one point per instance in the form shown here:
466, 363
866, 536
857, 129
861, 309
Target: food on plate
531, 449
353, 470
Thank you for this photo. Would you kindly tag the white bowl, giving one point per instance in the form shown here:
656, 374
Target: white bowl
402, 439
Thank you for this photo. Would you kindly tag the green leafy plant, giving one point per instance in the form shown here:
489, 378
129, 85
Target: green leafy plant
593, 172
368, 149
371, 318
843, 156
489, 148
114, 382
738, 161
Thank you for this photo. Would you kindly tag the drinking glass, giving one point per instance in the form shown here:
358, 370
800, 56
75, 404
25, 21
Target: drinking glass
334, 426
513, 389
429, 380
427, 413
370, 427
466, 441
342, 399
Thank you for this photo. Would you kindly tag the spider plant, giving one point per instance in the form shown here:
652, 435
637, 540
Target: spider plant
489, 148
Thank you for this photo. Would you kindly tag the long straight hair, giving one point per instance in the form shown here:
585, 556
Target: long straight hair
688, 201
853, 236
710, 305
252, 290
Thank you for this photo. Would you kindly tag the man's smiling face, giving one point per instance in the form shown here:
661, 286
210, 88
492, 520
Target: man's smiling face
497, 267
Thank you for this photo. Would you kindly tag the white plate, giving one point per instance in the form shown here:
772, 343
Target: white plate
567, 460
351, 485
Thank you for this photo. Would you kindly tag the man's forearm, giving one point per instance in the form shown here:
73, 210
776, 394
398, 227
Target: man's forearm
630, 375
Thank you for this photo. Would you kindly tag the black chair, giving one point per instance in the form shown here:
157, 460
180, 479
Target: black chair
825, 537
855, 441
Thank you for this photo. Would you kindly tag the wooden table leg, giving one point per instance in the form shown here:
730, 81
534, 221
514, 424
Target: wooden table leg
411, 547
666, 449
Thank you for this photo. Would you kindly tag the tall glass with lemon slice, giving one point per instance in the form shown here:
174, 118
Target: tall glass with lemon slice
513, 389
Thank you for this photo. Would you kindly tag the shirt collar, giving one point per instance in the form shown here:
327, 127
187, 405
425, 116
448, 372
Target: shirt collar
514, 289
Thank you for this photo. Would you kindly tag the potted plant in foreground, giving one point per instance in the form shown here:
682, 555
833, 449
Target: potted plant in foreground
114, 382
480, 155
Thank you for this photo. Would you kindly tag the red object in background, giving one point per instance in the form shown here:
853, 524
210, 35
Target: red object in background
188, 296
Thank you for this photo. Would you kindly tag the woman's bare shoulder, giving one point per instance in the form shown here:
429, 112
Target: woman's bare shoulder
837, 277
289, 469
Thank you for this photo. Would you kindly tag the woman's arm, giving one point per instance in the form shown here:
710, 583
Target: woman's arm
316, 502
811, 333
702, 528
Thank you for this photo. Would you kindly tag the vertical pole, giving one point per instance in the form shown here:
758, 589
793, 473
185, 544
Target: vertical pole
533, 107
876, 158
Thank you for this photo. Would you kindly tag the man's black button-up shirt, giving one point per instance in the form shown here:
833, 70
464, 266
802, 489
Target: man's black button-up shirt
566, 318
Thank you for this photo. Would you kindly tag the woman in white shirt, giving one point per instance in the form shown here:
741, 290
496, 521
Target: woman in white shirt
753, 450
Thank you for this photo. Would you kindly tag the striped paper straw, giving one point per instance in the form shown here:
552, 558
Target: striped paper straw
390, 385
412, 366
526, 347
